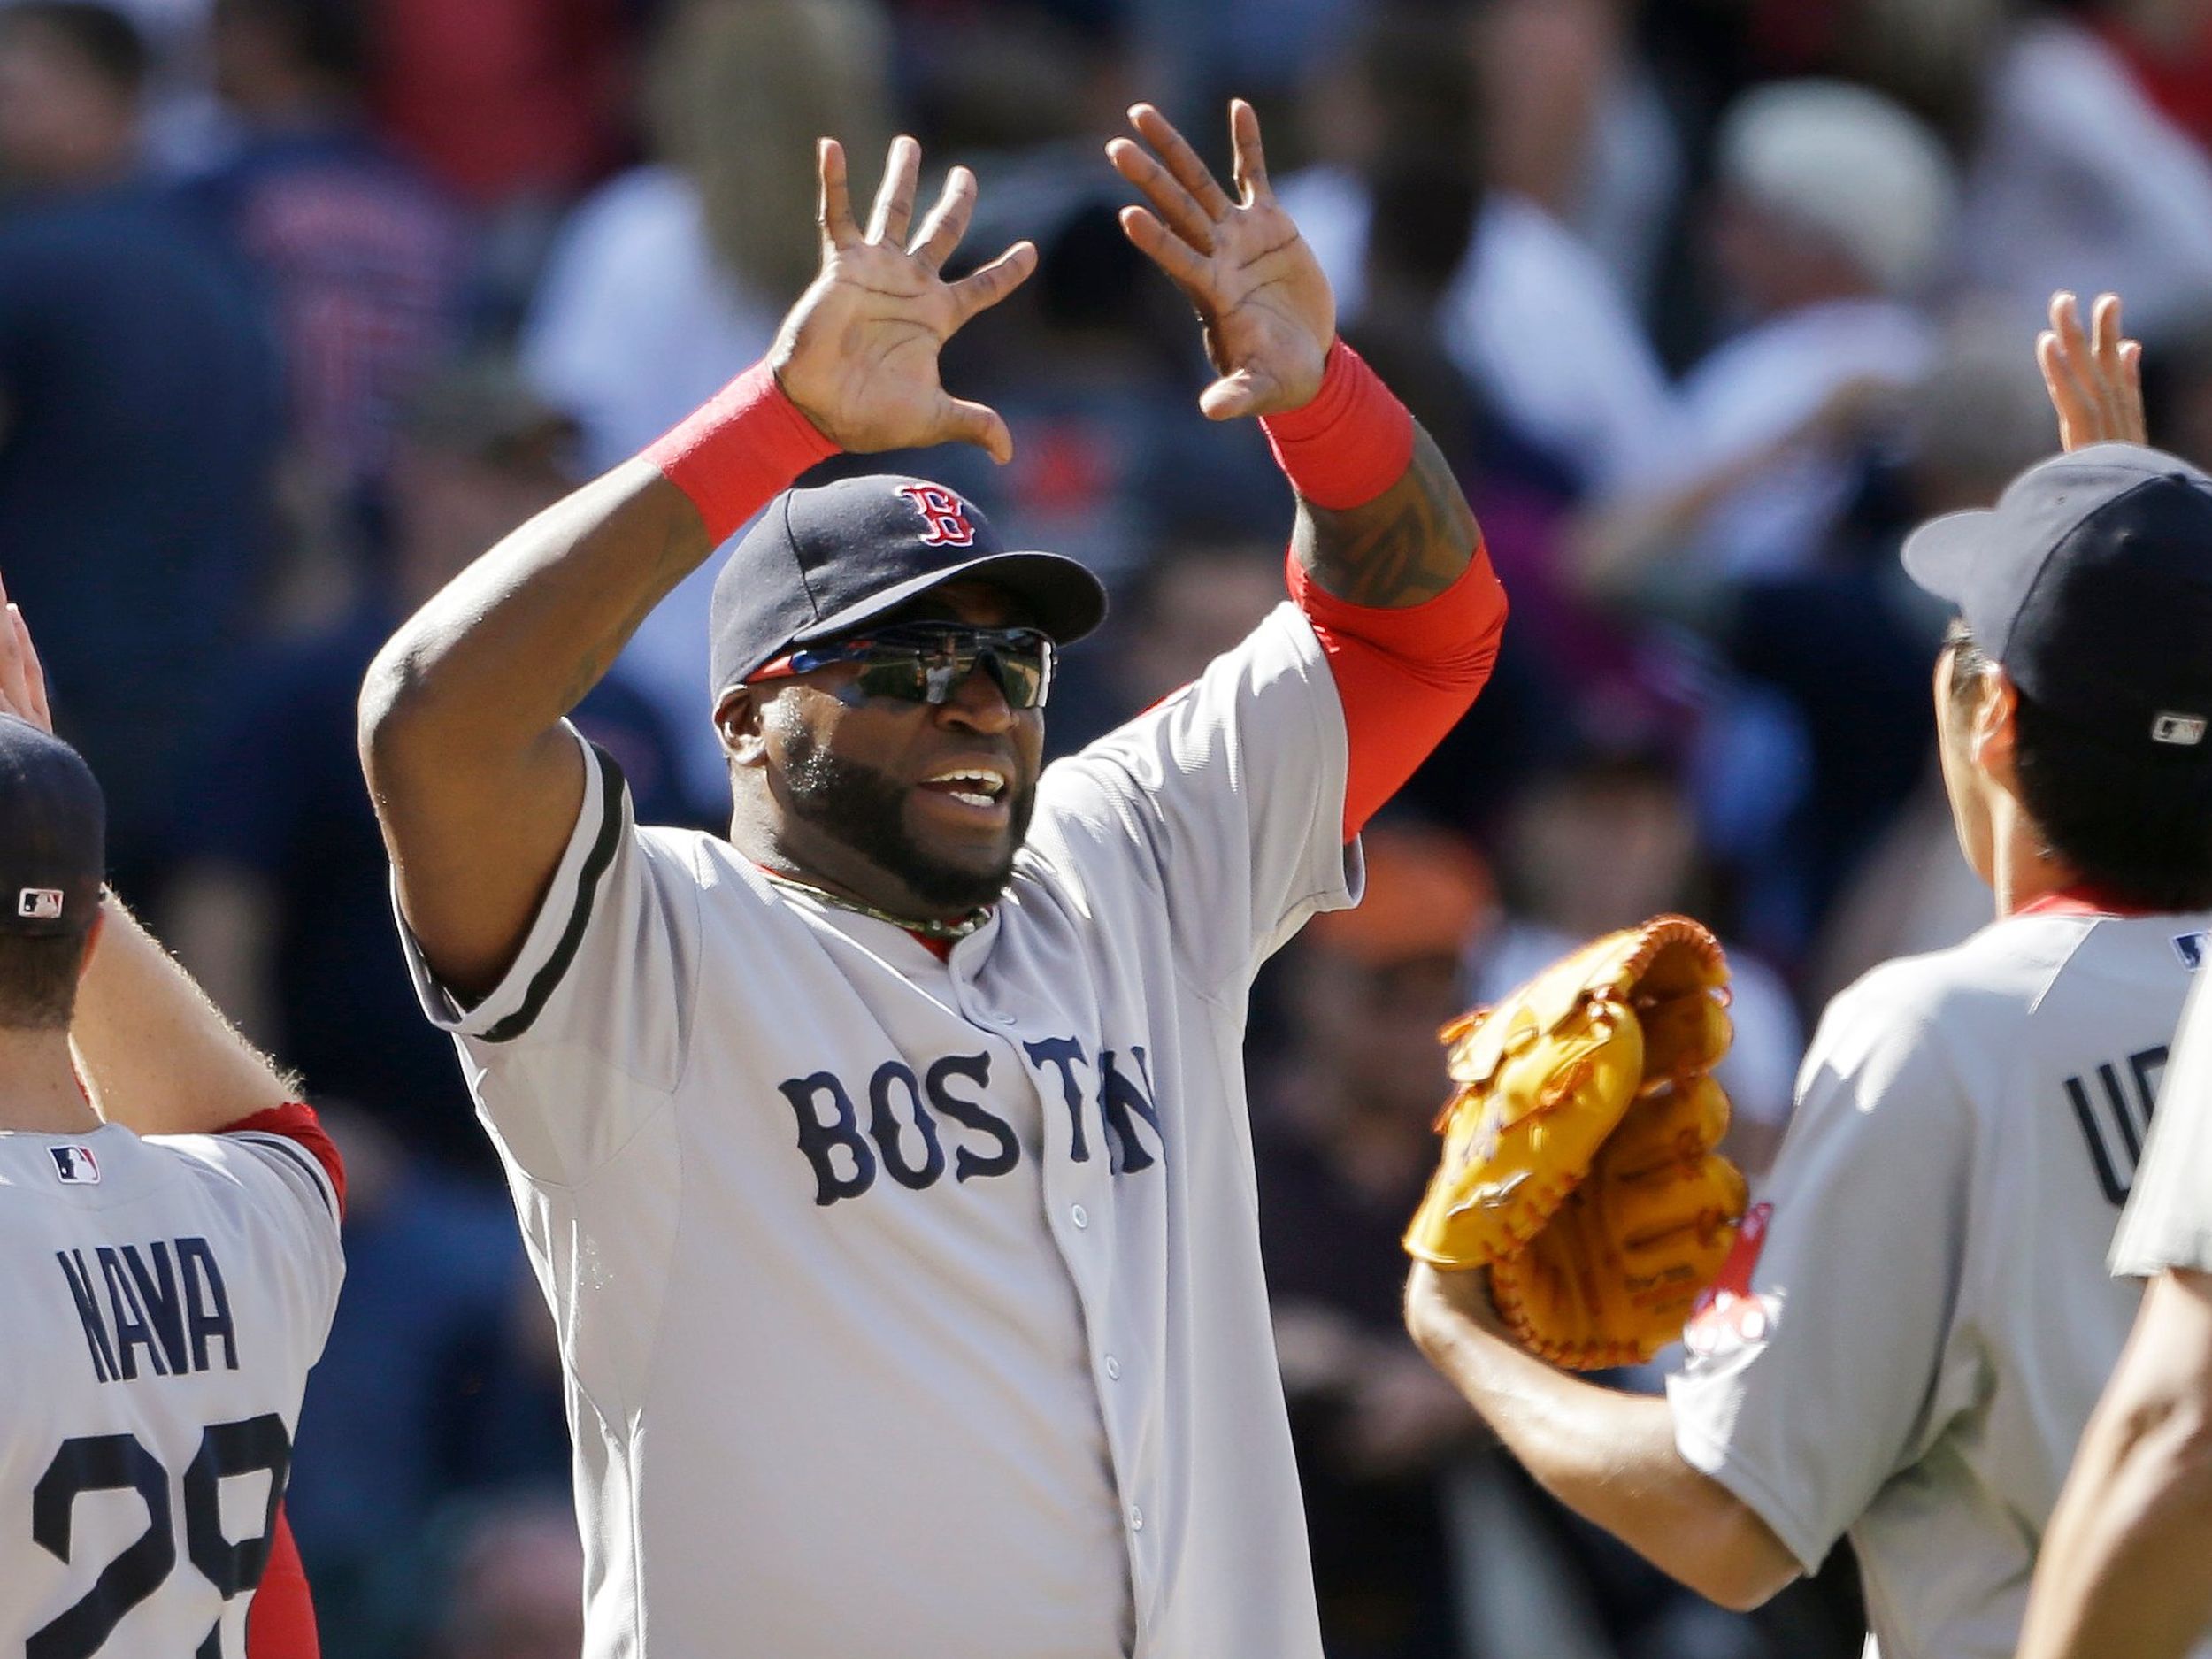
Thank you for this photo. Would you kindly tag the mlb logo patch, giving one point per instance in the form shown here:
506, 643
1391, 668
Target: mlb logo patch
75, 1165
39, 904
2192, 949
2184, 731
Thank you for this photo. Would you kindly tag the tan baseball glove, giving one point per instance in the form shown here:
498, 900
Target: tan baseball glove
1579, 1161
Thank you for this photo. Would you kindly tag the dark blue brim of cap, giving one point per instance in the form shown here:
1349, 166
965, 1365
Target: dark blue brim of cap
1059, 595
1941, 554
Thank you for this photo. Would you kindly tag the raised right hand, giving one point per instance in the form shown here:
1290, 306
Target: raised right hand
2094, 376
22, 679
859, 352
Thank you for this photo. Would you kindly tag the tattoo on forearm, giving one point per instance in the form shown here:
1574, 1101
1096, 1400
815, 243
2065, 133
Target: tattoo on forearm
1409, 545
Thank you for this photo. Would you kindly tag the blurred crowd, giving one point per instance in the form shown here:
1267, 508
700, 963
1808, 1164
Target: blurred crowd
304, 302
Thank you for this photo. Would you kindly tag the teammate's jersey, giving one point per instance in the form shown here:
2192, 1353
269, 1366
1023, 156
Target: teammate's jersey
162, 1298
911, 1306
2168, 1222
1917, 1321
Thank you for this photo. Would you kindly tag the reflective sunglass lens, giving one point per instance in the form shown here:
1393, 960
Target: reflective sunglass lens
928, 665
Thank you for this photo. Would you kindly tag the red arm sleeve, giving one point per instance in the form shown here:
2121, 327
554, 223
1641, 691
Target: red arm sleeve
297, 1122
1404, 675
282, 1623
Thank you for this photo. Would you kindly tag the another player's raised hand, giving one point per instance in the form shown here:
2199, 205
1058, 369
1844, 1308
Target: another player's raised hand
1269, 316
2094, 376
22, 681
859, 352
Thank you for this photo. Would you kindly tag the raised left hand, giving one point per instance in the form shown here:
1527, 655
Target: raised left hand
22, 681
1268, 314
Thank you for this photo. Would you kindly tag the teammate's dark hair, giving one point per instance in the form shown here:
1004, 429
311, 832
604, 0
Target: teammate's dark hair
2139, 829
38, 981
108, 42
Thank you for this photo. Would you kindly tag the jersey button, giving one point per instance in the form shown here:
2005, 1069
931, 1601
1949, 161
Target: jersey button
1113, 1369
1080, 1217
1136, 1518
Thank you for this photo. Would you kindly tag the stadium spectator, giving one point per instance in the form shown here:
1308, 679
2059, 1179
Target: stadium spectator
283, 902
2081, 181
517, 1593
1091, 366
1344, 1150
1832, 209
1532, 316
2167, 44
508, 103
140, 410
428, 1389
362, 264
673, 271
1606, 843
1847, 640
1578, 125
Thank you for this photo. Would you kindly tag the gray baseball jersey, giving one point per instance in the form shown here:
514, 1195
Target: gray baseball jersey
163, 1300
911, 1305
2168, 1222
1917, 1321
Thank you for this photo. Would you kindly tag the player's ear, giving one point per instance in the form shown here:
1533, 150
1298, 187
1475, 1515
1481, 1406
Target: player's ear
737, 722
1991, 735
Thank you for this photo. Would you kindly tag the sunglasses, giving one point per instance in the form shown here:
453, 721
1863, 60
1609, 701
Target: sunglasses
925, 662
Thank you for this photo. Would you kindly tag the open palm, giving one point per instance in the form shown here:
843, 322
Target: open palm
859, 352
2094, 376
1267, 311
22, 679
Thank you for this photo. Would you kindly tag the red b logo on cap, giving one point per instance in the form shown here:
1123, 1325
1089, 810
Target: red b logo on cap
944, 513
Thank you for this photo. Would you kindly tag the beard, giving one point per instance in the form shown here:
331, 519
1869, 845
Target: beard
865, 811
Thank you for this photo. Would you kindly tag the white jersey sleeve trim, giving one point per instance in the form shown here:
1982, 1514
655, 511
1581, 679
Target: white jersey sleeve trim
293, 1154
557, 931
2133, 1257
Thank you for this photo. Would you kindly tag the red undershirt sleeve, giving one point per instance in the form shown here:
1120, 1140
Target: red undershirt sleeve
282, 1623
297, 1122
1405, 676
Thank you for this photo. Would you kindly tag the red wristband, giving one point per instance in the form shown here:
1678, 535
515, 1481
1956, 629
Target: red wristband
1351, 443
734, 453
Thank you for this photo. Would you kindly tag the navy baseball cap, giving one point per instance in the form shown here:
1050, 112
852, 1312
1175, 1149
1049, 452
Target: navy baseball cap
2090, 583
822, 562
53, 835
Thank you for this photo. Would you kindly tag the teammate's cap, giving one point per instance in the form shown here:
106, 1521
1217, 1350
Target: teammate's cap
821, 562
53, 833
2090, 582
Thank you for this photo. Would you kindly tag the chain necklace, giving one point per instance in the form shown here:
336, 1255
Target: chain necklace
951, 931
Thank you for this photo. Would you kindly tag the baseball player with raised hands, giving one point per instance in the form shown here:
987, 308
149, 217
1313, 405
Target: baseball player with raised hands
885, 1161
1916, 1321
169, 1258
2122, 1575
